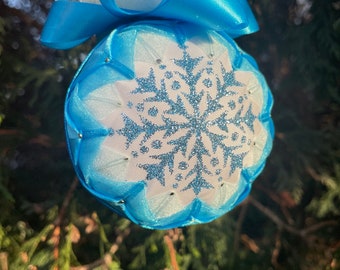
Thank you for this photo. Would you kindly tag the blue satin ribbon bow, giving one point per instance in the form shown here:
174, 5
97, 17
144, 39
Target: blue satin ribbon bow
70, 23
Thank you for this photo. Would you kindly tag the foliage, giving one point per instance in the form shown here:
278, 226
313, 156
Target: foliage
291, 220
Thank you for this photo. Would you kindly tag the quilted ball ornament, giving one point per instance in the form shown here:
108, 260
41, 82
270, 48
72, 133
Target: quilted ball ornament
168, 124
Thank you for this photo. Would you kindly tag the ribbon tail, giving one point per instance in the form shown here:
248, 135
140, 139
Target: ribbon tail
252, 25
71, 23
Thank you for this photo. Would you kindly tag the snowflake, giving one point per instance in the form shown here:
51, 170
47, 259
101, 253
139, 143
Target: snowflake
186, 115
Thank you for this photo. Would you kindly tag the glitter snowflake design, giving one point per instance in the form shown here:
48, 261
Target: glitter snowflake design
171, 129
193, 124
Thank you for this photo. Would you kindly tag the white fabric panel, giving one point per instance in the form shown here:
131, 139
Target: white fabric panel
111, 164
104, 101
165, 204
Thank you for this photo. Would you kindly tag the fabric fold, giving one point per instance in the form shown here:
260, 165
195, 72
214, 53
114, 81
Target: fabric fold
70, 23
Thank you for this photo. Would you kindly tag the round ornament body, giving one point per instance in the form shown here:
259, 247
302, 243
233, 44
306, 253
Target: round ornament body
168, 124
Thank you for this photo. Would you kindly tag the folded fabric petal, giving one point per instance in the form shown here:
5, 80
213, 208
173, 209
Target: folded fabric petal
70, 22
168, 123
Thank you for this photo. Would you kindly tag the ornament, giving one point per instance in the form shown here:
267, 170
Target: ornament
168, 123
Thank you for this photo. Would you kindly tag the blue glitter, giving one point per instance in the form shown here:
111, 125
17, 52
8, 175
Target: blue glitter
238, 120
208, 83
156, 144
131, 130
183, 165
129, 105
140, 107
187, 106
198, 184
234, 136
175, 85
175, 185
162, 66
146, 85
144, 149
111, 132
249, 119
243, 139
228, 81
188, 64
134, 154
232, 105
214, 162
168, 74
153, 111
236, 162
154, 171
179, 177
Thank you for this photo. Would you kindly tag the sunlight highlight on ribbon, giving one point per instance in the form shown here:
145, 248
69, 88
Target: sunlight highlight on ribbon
72, 22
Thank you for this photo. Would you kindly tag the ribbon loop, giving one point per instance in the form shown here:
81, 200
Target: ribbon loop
70, 22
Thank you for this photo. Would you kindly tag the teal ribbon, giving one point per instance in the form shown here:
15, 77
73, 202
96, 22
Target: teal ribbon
70, 23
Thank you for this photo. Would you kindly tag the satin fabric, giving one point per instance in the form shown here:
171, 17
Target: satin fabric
129, 198
70, 23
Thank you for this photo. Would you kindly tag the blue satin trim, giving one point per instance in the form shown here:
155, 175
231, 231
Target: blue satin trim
128, 198
71, 23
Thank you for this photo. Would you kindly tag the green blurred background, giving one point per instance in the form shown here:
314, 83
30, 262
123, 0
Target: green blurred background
290, 221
